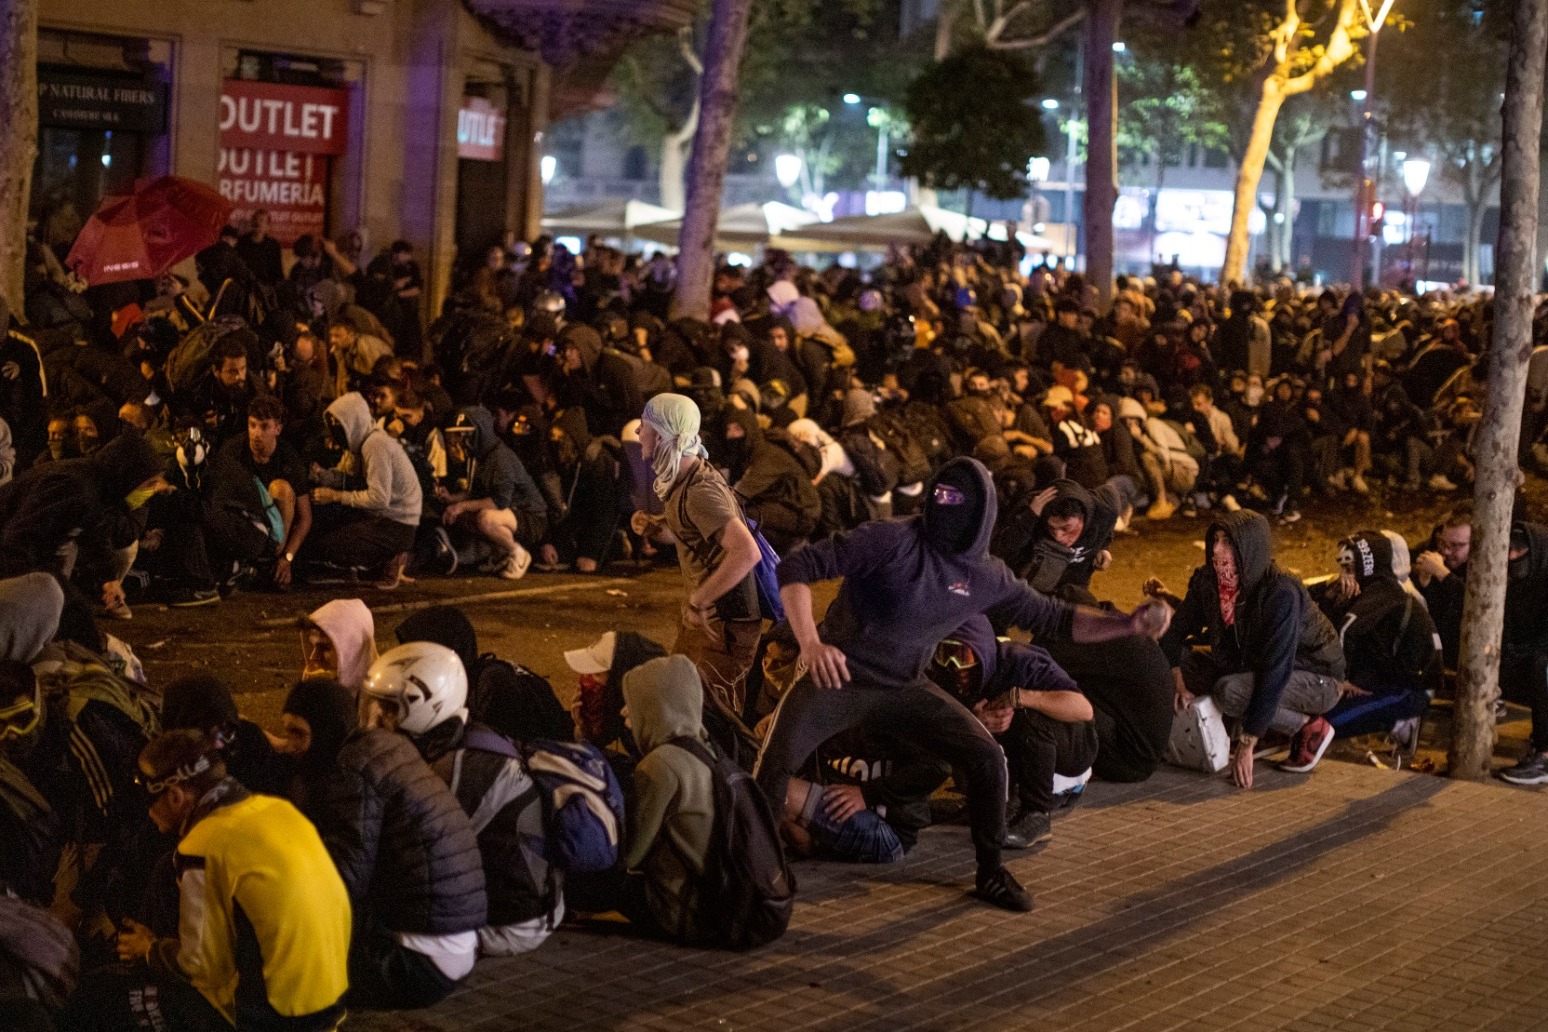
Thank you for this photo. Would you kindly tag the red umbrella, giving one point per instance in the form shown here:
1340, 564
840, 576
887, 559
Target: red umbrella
141, 235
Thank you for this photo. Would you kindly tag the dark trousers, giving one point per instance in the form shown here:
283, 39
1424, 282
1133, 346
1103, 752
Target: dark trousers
125, 998
920, 715
1376, 713
618, 890
1129, 684
348, 537
385, 975
1524, 679
1037, 747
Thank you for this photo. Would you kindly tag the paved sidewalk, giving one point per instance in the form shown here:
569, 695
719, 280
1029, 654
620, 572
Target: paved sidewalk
1353, 899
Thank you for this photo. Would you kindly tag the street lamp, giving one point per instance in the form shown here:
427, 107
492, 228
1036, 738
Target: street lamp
852, 99
1049, 104
1416, 172
1365, 191
548, 167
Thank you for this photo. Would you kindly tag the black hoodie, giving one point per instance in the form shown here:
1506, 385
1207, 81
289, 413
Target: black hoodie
1526, 592
1034, 556
909, 583
1277, 629
1388, 638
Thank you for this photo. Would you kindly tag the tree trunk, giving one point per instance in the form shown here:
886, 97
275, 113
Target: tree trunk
1494, 489
1101, 88
707, 165
1248, 175
18, 142
1284, 203
1472, 242
674, 155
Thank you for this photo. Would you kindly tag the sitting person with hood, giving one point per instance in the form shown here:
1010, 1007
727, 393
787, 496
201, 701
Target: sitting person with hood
776, 491
370, 525
202, 702
907, 585
1034, 710
506, 696
1057, 541
671, 808
318, 714
407, 853
599, 701
338, 640
420, 690
502, 513
1273, 659
75, 518
1390, 644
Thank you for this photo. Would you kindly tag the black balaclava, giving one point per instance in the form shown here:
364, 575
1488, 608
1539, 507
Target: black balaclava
329, 709
199, 702
443, 625
954, 511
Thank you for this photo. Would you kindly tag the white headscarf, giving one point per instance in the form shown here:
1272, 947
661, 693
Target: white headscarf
675, 419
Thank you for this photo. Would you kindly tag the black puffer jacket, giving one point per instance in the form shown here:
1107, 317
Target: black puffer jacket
1277, 629
406, 851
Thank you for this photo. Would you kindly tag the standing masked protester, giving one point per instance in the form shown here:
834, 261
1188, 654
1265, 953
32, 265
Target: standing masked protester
1274, 661
1390, 644
721, 621
263, 923
1032, 707
907, 585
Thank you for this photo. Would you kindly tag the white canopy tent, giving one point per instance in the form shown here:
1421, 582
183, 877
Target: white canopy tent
616, 217
917, 225
744, 225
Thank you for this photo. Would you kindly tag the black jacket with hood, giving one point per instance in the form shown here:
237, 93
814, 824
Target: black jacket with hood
909, 583
1032, 554
1526, 592
1277, 629
497, 474
1388, 638
80, 498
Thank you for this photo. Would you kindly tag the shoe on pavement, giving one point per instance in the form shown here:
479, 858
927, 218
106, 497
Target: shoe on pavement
121, 611
392, 573
1293, 516
1308, 746
1001, 889
189, 598
1441, 482
443, 559
1030, 828
515, 567
1531, 770
1358, 485
1161, 510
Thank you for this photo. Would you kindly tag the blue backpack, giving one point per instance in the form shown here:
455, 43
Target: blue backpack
583, 804
766, 577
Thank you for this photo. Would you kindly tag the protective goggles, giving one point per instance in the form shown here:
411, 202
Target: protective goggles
156, 786
955, 655
20, 719
945, 494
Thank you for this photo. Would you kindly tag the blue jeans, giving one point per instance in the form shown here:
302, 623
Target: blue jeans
865, 838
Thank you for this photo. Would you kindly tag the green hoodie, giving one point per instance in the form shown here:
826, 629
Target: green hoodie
672, 807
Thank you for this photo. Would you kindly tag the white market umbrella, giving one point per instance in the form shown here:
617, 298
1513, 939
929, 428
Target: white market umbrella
616, 217
743, 225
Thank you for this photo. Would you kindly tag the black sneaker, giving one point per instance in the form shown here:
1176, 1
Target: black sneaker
1531, 770
1064, 802
1001, 889
188, 598
443, 559
1030, 828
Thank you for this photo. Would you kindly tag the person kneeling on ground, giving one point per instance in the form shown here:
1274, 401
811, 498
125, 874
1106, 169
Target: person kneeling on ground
1034, 710
338, 639
1390, 644
1274, 660
671, 810
420, 690
264, 920
502, 513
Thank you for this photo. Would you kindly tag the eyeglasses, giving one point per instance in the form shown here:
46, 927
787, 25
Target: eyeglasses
945, 494
156, 786
955, 655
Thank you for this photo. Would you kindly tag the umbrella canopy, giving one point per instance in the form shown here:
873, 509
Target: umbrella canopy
615, 217
744, 225
917, 225
141, 235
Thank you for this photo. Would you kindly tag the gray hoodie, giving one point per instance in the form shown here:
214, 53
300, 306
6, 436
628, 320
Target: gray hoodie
392, 487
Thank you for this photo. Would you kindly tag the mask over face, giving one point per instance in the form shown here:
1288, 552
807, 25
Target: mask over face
955, 510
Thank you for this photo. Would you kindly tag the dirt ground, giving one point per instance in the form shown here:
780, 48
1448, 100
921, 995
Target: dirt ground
250, 639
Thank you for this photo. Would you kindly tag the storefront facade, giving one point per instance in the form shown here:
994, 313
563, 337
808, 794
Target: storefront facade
393, 118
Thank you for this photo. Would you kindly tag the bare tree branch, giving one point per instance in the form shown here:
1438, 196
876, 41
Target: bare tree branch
1027, 43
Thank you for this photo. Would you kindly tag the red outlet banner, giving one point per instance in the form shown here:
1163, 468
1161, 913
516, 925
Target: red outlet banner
292, 188
270, 116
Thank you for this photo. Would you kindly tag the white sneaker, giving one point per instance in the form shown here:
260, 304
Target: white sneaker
515, 567
1357, 482
1440, 482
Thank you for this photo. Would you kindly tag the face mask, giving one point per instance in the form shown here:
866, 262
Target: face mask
138, 497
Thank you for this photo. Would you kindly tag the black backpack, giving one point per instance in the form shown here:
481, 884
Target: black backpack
913, 461
517, 702
748, 893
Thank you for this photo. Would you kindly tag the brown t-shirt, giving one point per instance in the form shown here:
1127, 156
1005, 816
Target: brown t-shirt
696, 510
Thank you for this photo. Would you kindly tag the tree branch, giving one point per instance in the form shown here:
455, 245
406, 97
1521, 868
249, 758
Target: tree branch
1058, 29
1339, 49
685, 47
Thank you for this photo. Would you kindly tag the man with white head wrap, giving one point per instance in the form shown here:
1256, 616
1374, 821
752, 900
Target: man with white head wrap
717, 552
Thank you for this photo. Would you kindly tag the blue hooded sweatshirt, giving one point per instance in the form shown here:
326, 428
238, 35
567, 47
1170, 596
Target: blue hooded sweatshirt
909, 583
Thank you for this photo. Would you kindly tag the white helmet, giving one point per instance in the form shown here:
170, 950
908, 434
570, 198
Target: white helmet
424, 681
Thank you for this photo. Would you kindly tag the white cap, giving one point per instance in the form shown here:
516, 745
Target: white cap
596, 658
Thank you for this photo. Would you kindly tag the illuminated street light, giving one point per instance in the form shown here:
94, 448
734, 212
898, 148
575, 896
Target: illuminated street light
787, 169
1358, 96
548, 168
1416, 172
851, 99
1050, 104
1120, 47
